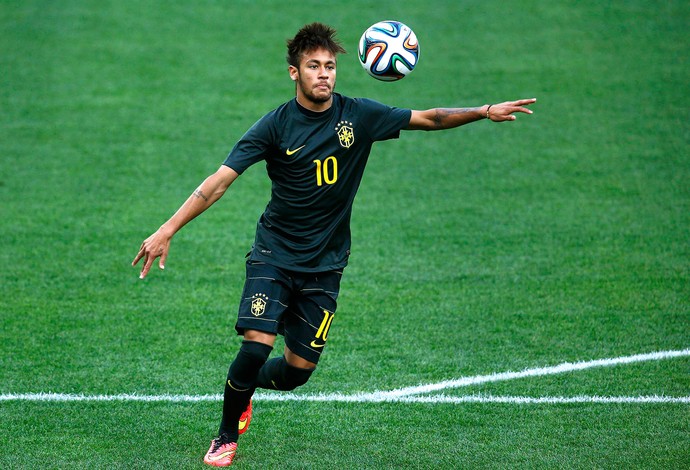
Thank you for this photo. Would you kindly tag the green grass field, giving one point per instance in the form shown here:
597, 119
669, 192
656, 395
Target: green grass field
559, 238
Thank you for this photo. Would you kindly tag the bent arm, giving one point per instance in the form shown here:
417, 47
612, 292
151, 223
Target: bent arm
210, 190
158, 244
448, 118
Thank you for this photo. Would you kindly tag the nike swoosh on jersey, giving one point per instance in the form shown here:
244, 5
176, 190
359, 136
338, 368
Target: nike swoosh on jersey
289, 152
314, 344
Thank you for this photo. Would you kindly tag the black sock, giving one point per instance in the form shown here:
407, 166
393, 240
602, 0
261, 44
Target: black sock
240, 385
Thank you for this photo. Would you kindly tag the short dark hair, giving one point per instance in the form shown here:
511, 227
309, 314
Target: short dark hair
311, 37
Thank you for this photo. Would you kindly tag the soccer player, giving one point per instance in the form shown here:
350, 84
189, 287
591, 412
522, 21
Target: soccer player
315, 147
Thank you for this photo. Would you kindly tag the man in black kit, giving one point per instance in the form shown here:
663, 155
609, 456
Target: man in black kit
316, 147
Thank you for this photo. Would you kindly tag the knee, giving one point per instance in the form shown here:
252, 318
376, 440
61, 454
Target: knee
296, 376
250, 358
277, 374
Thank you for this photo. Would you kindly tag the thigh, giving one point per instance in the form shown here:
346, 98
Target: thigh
312, 310
264, 300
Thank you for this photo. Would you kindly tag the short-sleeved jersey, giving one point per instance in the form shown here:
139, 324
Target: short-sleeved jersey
315, 162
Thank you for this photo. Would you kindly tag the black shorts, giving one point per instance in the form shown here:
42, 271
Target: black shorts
299, 306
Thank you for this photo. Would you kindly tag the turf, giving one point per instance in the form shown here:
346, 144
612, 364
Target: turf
495, 247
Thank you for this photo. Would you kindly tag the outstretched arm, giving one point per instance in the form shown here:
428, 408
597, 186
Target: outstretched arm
158, 244
447, 118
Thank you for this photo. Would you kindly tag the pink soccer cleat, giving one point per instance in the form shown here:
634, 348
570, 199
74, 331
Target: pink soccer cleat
220, 454
245, 419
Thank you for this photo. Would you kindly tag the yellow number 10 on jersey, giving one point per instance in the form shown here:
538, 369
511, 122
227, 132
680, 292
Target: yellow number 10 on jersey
326, 171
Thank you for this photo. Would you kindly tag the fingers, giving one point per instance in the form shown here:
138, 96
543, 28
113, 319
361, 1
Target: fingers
139, 255
519, 107
505, 111
524, 102
148, 261
522, 110
149, 251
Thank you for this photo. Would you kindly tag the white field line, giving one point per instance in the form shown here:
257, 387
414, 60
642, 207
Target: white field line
407, 395
337, 397
381, 398
536, 372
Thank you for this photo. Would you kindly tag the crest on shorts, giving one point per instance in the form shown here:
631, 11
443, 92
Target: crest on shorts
346, 134
258, 304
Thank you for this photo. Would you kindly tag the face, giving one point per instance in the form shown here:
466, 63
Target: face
315, 79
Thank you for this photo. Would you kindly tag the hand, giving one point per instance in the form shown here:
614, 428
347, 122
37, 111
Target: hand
504, 111
155, 246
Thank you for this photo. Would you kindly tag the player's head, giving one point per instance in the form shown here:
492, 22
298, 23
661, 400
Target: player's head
311, 37
312, 58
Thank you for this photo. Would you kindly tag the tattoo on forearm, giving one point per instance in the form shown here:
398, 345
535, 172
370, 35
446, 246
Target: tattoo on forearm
442, 114
200, 194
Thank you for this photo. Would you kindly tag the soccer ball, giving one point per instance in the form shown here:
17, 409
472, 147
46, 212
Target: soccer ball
388, 50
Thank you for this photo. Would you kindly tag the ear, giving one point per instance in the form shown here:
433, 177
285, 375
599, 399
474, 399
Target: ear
294, 73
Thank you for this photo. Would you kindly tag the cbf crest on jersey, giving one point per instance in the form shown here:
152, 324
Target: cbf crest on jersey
259, 304
346, 134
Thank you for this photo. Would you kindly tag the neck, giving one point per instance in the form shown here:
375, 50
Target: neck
317, 107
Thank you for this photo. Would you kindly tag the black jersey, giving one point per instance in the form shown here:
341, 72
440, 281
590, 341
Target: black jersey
315, 162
